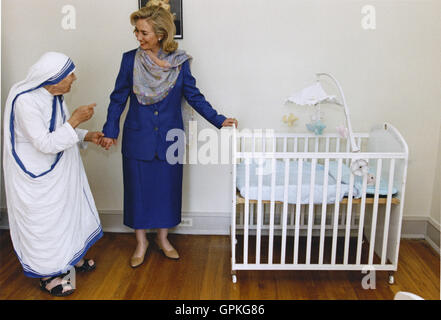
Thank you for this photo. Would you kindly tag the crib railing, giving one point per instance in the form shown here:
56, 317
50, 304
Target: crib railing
374, 221
267, 141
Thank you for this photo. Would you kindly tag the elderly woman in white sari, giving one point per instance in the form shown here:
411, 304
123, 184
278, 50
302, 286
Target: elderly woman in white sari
52, 215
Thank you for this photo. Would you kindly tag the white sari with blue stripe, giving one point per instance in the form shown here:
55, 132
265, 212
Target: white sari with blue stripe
52, 215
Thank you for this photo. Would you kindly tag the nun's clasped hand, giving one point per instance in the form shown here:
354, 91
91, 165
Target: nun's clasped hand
94, 137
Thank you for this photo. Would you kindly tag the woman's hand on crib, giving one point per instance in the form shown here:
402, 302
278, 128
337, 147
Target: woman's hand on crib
229, 122
106, 143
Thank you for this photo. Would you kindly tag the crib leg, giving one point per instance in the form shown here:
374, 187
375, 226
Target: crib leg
391, 278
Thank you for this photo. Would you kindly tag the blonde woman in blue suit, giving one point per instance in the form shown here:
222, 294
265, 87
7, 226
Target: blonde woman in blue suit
155, 76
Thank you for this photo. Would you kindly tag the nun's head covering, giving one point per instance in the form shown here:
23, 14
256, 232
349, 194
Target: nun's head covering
50, 69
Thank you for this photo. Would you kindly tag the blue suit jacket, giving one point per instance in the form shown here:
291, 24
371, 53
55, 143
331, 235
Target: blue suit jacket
146, 126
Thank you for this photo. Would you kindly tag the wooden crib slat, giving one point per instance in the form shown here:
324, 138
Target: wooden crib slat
234, 208
298, 206
324, 207
361, 222
247, 210
285, 211
336, 211
348, 218
302, 211
347, 150
311, 211
292, 216
272, 206
388, 207
375, 212
259, 209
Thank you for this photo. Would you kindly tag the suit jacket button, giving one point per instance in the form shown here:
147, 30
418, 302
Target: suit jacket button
156, 113
156, 129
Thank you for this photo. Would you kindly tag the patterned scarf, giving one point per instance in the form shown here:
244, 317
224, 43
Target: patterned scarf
152, 83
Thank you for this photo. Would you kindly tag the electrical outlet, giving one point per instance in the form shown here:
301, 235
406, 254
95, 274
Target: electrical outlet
186, 222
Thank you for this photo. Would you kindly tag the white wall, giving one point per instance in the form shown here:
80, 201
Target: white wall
249, 55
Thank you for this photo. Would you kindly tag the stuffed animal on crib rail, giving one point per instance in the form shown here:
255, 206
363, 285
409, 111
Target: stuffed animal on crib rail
359, 167
370, 179
290, 119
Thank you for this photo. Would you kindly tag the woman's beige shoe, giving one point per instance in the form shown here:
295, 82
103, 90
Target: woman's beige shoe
171, 254
137, 261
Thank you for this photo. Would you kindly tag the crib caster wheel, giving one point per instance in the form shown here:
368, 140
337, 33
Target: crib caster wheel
235, 241
234, 278
391, 279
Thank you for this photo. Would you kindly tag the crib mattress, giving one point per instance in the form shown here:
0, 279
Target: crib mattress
305, 196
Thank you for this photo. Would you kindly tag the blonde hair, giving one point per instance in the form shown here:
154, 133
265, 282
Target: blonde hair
158, 13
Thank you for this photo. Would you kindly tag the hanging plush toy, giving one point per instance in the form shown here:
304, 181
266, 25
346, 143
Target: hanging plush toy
316, 125
290, 119
342, 131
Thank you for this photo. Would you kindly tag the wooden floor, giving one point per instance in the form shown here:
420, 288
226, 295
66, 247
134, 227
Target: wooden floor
203, 272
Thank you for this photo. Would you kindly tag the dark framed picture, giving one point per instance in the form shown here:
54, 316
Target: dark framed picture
176, 9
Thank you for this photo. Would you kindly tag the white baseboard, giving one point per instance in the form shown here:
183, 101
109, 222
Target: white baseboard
202, 223
433, 245
433, 234
413, 236
218, 223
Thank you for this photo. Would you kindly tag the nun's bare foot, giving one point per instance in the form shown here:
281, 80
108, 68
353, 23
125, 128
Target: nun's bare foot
85, 265
81, 263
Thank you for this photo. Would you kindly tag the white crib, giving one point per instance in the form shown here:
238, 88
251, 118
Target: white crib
363, 233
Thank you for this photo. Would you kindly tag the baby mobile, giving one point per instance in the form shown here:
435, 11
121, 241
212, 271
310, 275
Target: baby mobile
312, 97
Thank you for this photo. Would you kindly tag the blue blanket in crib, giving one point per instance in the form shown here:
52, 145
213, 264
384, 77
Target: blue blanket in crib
305, 194
358, 181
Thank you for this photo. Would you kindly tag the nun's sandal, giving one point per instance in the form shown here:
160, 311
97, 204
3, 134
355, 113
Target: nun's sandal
57, 291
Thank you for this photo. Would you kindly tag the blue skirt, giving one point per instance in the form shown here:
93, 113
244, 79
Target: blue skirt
152, 193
